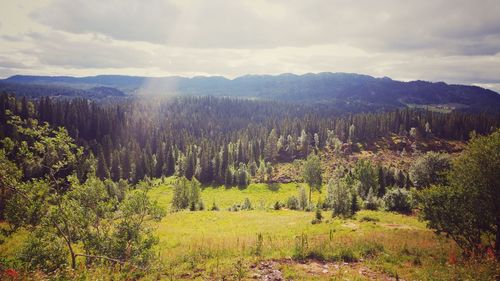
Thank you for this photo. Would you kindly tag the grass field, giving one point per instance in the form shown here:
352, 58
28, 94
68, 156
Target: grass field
224, 245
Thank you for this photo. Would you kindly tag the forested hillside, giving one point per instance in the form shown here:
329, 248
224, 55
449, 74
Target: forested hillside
347, 91
217, 139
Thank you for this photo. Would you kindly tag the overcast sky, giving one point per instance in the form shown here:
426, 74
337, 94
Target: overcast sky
453, 41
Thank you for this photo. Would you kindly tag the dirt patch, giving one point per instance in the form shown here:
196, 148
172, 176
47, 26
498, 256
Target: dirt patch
267, 271
271, 270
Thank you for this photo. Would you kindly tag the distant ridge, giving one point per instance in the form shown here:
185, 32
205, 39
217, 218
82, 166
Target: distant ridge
348, 90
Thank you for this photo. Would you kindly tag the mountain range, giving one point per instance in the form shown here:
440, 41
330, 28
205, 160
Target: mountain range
354, 92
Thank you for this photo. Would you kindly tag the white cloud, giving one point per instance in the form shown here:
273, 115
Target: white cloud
454, 41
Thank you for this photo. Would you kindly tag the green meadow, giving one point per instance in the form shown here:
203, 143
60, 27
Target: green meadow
227, 245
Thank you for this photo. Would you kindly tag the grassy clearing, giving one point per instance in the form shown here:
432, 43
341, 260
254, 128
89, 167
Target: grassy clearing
228, 245
263, 196
209, 244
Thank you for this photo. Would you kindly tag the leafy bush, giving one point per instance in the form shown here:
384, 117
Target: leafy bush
339, 198
367, 178
301, 247
372, 202
318, 217
247, 205
429, 169
45, 251
468, 206
277, 206
397, 199
303, 201
187, 195
310, 208
293, 203
259, 245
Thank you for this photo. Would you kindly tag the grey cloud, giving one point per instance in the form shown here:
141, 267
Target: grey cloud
13, 38
6, 62
372, 25
120, 19
57, 49
456, 41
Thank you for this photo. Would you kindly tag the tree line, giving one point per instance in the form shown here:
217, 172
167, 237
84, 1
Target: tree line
219, 140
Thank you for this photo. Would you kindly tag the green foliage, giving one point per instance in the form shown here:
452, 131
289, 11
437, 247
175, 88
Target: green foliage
430, 168
9, 179
333, 142
339, 198
133, 238
367, 177
301, 247
43, 152
369, 219
271, 148
397, 199
62, 213
312, 173
303, 202
204, 136
247, 205
277, 206
259, 245
38, 153
243, 177
293, 203
318, 216
372, 202
468, 209
187, 195
355, 205
28, 204
44, 251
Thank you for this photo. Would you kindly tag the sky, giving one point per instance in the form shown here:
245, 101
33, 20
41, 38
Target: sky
454, 41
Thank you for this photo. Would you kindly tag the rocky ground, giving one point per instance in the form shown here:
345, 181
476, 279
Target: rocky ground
272, 270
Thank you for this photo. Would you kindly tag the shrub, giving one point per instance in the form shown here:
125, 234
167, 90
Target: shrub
429, 169
44, 251
187, 195
397, 199
367, 177
303, 202
247, 205
293, 203
372, 202
347, 255
354, 203
339, 198
277, 206
318, 217
371, 249
301, 247
259, 245
309, 208
234, 208
214, 207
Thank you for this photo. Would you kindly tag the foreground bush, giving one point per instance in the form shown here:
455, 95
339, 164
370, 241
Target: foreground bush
468, 209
